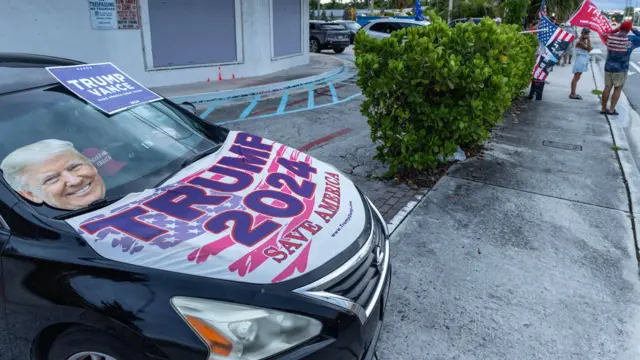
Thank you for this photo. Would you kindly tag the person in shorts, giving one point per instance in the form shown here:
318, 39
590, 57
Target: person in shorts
620, 44
583, 47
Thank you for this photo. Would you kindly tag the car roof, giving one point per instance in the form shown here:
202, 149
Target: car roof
25, 71
411, 21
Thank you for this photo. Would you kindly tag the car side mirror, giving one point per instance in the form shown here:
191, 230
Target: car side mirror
189, 107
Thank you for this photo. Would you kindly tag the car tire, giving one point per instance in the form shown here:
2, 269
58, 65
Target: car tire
80, 344
339, 50
314, 46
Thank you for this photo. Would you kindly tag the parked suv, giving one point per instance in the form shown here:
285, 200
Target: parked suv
328, 35
384, 27
351, 26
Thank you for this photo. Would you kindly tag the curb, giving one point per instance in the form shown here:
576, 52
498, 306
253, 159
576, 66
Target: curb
628, 165
399, 218
262, 89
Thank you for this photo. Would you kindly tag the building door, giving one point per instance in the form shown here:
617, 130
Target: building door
194, 32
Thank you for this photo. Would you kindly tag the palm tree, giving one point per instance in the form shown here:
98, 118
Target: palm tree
562, 9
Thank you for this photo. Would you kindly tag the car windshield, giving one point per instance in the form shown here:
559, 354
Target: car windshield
331, 27
352, 25
62, 154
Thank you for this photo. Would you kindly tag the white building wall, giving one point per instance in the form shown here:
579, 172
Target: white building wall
62, 28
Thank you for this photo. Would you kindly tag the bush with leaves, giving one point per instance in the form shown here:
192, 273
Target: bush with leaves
431, 88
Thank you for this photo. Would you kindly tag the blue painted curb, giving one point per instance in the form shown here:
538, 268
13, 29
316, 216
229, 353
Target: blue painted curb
258, 90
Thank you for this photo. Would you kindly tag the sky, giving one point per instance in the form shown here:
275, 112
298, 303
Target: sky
602, 4
613, 4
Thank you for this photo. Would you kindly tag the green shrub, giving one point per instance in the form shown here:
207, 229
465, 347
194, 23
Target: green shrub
431, 88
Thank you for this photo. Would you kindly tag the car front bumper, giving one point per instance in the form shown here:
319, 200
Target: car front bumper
337, 44
357, 341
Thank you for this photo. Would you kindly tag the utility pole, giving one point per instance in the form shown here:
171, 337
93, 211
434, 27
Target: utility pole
450, 10
318, 14
371, 6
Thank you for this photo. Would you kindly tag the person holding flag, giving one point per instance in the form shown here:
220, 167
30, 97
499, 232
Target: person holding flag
620, 44
583, 47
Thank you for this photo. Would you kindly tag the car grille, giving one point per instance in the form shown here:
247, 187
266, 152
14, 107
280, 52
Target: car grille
359, 284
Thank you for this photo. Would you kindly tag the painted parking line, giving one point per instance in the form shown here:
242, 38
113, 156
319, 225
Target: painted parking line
248, 109
283, 103
256, 109
334, 95
209, 109
310, 101
323, 140
348, 98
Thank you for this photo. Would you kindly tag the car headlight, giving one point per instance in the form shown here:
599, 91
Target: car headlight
234, 331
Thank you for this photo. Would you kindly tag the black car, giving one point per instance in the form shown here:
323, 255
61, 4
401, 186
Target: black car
351, 26
152, 234
328, 35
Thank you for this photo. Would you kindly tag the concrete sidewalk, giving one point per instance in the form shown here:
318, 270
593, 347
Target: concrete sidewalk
526, 252
320, 68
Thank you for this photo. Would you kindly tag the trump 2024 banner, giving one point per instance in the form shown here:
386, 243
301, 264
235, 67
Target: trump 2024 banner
589, 16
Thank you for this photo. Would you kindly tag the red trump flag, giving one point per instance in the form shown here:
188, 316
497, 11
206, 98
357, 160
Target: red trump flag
589, 16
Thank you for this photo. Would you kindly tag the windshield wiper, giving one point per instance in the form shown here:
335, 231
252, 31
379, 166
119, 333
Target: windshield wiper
188, 162
93, 206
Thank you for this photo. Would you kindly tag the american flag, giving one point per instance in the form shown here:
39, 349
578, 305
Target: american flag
554, 41
553, 37
545, 63
543, 8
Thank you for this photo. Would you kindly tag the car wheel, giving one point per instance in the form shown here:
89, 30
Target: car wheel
314, 46
339, 50
82, 344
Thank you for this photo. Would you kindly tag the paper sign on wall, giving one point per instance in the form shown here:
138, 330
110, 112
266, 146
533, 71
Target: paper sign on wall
128, 14
104, 86
103, 14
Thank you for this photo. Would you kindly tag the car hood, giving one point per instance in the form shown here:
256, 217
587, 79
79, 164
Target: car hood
255, 211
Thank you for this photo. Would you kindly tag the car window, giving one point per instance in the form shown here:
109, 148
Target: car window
409, 25
394, 26
312, 26
331, 27
61, 154
352, 26
3, 224
379, 27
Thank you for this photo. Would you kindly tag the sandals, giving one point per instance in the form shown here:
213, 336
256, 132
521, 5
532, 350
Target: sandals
577, 97
614, 112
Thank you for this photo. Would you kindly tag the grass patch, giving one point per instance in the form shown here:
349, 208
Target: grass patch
616, 148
